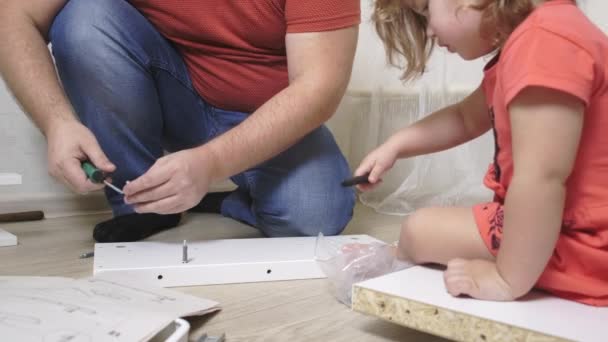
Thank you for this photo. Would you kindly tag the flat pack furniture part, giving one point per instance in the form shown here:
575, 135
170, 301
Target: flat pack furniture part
416, 298
7, 239
214, 262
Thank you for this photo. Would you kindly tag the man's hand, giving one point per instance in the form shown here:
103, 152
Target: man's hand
478, 279
377, 163
70, 143
174, 184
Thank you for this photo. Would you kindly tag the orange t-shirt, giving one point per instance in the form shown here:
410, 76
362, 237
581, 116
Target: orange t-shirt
557, 47
235, 49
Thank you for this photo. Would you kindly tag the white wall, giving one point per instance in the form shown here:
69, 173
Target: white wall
597, 10
23, 149
444, 68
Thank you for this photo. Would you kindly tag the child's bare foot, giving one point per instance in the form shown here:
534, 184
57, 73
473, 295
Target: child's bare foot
476, 278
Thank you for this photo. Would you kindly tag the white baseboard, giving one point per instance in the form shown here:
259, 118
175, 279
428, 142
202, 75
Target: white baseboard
56, 205
61, 205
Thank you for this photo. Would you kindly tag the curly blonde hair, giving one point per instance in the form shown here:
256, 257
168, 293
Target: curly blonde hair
407, 45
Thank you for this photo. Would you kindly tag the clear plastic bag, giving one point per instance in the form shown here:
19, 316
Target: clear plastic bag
345, 264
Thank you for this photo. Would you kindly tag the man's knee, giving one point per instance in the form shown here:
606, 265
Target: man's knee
309, 218
80, 28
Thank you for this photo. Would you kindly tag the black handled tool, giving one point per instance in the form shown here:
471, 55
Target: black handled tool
97, 176
363, 179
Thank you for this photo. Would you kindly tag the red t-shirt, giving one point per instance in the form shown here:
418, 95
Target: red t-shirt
557, 47
235, 49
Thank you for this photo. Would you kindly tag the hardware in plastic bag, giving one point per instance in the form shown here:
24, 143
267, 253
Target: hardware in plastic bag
345, 264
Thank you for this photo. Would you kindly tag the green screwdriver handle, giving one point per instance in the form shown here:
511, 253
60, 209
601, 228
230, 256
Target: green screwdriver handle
94, 174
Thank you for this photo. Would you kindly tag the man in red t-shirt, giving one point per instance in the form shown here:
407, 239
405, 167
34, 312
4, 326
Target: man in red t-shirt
236, 89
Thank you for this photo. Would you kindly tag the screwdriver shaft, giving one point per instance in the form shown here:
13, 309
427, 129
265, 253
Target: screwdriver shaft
113, 187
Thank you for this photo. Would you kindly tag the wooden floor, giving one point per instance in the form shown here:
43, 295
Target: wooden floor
301, 310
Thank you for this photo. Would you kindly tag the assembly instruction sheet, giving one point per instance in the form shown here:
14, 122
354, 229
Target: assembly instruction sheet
53, 309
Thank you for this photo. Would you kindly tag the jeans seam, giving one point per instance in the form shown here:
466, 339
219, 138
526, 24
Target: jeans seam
204, 105
165, 67
249, 179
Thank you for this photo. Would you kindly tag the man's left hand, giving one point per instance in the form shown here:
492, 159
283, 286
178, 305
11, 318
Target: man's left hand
174, 184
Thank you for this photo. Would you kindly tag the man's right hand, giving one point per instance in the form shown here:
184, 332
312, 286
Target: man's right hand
70, 143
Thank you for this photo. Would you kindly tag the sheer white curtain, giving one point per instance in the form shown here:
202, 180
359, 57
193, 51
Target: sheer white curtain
384, 104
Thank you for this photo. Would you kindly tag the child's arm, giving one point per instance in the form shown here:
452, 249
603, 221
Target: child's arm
546, 128
445, 128
441, 130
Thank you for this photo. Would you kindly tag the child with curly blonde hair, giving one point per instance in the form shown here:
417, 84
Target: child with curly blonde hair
545, 96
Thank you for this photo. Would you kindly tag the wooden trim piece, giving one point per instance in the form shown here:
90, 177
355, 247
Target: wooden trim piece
55, 205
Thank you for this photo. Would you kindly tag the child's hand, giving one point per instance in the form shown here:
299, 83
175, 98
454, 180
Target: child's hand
376, 163
478, 279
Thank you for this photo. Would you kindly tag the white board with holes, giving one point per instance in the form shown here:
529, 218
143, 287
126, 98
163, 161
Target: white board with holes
214, 261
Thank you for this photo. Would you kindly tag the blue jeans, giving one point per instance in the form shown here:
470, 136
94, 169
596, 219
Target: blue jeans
131, 87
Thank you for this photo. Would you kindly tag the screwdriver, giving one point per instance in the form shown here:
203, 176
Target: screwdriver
97, 176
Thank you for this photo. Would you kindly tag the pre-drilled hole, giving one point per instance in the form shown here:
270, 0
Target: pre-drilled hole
160, 276
268, 271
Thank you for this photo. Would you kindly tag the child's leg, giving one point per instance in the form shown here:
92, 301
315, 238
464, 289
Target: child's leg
452, 237
438, 235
